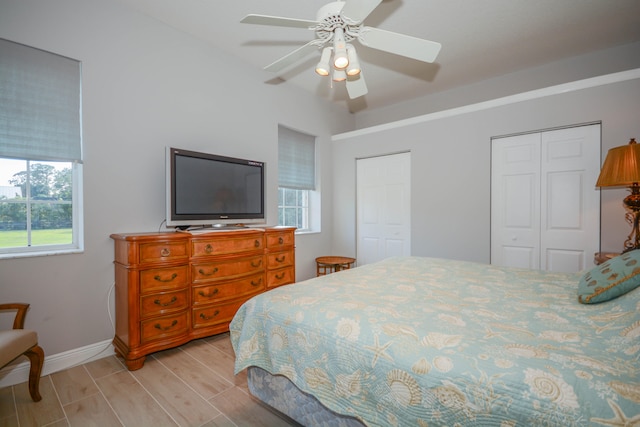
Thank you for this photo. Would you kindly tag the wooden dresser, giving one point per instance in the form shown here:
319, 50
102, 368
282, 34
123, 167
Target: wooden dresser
171, 288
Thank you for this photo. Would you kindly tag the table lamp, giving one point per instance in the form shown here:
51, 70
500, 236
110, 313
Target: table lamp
621, 168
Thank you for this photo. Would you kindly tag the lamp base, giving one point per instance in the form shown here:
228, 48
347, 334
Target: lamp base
632, 203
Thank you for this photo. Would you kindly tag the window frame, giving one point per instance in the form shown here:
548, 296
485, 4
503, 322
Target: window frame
43, 83
77, 228
292, 177
305, 208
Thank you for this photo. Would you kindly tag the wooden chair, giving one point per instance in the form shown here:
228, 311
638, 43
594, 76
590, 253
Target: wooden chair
19, 341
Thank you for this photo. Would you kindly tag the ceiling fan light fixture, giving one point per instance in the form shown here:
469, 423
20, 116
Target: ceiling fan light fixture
323, 66
340, 59
337, 24
353, 68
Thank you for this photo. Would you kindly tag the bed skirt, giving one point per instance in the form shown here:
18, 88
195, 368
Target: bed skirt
281, 394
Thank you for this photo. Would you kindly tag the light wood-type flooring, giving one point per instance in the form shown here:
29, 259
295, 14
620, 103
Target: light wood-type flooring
192, 385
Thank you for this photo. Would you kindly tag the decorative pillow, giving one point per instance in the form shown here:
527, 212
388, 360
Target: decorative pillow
610, 279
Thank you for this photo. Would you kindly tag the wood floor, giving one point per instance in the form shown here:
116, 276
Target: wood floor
192, 385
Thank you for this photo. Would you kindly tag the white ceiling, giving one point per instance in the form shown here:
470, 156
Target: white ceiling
480, 39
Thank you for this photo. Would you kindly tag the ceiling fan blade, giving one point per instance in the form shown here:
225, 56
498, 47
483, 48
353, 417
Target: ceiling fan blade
400, 44
293, 57
355, 11
356, 87
277, 21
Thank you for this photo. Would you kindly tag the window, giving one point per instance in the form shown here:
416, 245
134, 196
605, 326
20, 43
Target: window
297, 180
40, 152
293, 208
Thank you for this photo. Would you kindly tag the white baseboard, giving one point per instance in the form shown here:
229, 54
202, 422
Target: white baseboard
19, 373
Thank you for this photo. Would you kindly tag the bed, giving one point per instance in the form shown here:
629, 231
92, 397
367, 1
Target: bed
413, 341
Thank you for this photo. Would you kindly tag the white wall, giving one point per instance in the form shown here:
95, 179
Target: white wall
146, 86
451, 166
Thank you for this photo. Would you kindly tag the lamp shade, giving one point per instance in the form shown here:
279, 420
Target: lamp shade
340, 59
621, 167
339, 75
353, 68
323, 66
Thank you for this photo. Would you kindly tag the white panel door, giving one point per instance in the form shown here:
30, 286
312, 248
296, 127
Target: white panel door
383, 200
515, 193
570, 223
545, 209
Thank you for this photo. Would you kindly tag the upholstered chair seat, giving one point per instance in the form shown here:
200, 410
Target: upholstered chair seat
17, 342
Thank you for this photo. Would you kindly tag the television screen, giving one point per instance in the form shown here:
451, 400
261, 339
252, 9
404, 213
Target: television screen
208, 189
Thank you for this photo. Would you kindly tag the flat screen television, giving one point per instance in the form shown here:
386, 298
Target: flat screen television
211, 190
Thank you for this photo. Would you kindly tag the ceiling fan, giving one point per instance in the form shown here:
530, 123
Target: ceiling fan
337, 24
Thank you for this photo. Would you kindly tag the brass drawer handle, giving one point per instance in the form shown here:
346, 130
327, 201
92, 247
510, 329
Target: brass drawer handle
256, 265
160, 279
258, 283
215, 270
208, 249
166, 304
165, 252
280, 240
281, 258
256, 243
212, 293
279, 276
205, 317
158, 326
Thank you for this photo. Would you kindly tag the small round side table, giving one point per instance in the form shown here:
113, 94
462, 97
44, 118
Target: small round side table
329, 264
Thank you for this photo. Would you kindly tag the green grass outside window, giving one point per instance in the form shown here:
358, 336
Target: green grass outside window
18, 238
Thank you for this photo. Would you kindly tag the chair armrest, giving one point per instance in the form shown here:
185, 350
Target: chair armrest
18, 322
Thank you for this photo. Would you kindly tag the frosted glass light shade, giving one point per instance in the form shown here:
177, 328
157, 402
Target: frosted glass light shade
353, 68
340, 59
339, 76
323, 66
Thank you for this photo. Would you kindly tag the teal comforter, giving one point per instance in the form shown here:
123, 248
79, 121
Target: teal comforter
429, 342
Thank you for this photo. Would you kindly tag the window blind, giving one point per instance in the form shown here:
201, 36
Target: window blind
40, 104
296, 159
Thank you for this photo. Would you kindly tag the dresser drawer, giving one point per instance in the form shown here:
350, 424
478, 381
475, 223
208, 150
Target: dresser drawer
163, 251
210, 271
280, 277
280, 239
213, 315
208, 294
226, 245
158, 279
164, 303
279, 259
164, 327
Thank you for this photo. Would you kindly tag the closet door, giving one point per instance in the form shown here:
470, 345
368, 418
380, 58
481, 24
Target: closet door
383, 199
545, 207
515, 201
570, 206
